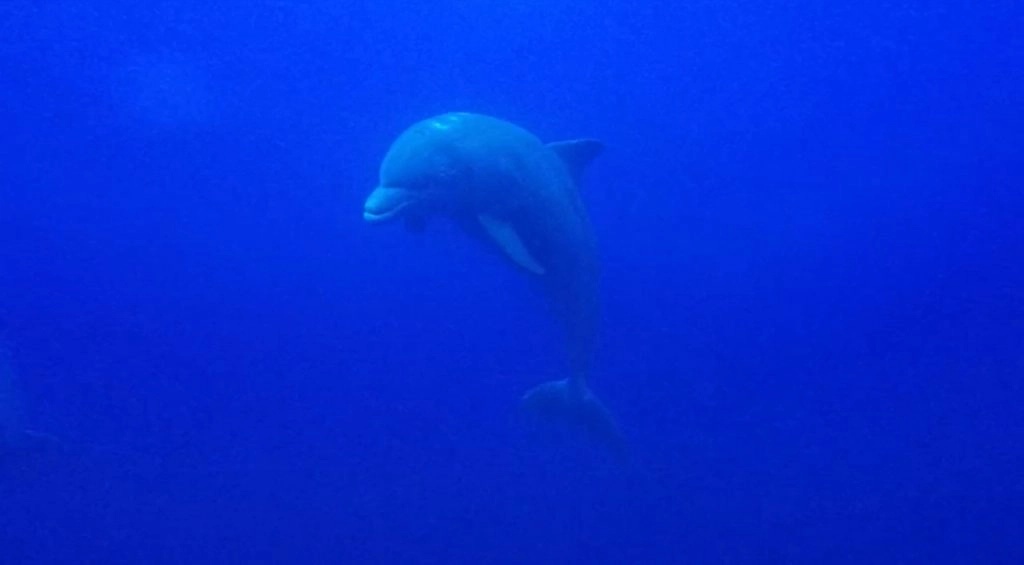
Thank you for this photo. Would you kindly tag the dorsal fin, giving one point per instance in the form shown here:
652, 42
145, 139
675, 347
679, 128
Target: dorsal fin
577, 154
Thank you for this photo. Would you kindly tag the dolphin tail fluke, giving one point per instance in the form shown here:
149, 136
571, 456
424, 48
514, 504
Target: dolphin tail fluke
567, 402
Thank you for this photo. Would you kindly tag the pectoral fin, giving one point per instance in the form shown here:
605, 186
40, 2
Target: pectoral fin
505, 236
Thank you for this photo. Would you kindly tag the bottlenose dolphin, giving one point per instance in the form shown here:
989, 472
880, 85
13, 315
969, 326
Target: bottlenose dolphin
518, 195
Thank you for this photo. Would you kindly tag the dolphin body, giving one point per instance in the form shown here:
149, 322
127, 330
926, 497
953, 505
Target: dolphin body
519, 196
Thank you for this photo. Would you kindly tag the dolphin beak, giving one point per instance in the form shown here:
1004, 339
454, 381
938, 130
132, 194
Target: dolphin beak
386, 203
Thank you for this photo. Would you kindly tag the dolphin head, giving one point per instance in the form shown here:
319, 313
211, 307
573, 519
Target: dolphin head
421, 175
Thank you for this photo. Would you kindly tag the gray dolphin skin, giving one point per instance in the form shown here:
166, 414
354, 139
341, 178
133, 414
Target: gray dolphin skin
519, 196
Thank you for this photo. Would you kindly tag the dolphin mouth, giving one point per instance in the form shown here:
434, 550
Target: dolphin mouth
382, 217
386, 203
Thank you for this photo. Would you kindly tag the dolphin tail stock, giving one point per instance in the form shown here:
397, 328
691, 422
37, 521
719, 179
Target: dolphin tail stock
570, 403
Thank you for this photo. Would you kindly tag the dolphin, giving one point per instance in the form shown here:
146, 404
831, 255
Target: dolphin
519, 196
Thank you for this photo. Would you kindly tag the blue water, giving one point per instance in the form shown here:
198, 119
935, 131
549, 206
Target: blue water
811, 226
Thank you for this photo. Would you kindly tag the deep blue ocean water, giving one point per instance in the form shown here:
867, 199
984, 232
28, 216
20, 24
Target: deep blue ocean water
811, 227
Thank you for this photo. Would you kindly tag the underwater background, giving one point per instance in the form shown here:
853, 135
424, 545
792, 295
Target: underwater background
811, 228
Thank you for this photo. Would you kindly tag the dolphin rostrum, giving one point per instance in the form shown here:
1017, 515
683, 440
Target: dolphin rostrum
505, 187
